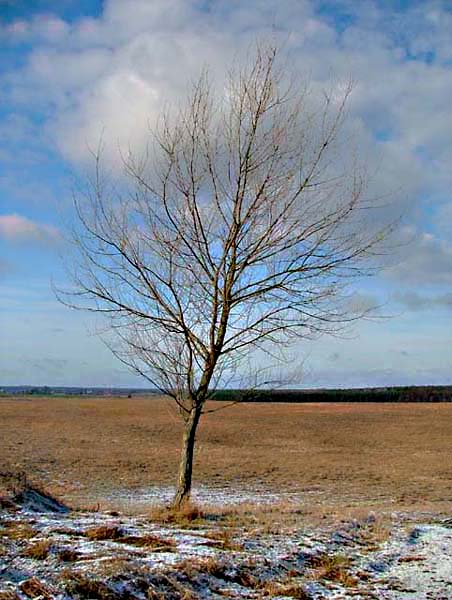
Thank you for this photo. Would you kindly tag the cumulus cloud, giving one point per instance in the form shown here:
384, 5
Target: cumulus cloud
423, 259
17, 228
111, 75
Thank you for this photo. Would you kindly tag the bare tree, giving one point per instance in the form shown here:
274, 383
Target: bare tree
238, 232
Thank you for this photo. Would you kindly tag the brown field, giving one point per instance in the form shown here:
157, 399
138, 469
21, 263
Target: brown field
339, 455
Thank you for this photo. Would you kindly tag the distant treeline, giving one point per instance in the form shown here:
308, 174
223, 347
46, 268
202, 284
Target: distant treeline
46, 390
433, 393
429, 393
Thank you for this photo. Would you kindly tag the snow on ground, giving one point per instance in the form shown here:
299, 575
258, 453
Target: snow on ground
114, 557
418, 563
218, 496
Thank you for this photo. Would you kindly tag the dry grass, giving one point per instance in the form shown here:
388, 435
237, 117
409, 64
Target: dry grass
16, 530
9, 595
104, 532
38, 550
154, 543
217, 567
211, 565
188, 515
33, 588
383, 456
83, 586
333, 567
224, 539
68, 555
289, 588
67, 531
142, 583
411, 558
375, 531
249, 516
167, 587
262, 518
114, 533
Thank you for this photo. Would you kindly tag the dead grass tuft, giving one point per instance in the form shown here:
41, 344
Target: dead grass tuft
411, 558
186, 516
289, 588
17, 530
67, 531
68, 555
256, 517
218, 568
38, 550
8, 595
82, 586
246, 516
33, 588
224, 539
116, 534
104, 532
211, 565
152, 542
167, 587
333, 568
243, 577
373, 530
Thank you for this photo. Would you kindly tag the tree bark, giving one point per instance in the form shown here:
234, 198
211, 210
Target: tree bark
186, 460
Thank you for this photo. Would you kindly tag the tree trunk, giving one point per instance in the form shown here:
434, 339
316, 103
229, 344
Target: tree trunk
186, 460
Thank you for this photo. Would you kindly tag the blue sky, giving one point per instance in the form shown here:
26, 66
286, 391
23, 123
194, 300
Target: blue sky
71, 71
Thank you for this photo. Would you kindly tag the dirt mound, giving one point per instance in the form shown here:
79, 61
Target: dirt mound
38, 501
21, 492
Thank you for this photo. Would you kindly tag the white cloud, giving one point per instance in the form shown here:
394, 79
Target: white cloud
423, 259
44, 27
16, 228
112, 75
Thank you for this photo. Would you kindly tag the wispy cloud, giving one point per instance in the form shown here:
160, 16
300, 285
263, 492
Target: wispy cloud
19, 229
414, 301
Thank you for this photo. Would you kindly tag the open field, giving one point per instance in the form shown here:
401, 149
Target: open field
323, 501
336, 456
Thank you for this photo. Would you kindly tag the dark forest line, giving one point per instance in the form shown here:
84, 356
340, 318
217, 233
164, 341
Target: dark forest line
432, 393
